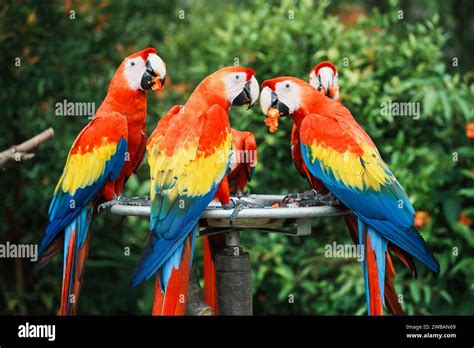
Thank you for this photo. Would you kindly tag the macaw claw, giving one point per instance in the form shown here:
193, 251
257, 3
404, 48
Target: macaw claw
239, 204
310, 198
240, 194
134, 201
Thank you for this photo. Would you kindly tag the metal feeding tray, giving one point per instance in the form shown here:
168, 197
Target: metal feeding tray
232, 264
256, 213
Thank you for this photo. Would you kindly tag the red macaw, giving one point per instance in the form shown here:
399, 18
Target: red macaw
241, 169
105, 153
188, 159
324, 77
337, 152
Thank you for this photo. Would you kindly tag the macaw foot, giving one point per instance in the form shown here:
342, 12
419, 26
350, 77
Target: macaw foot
238, 204
327, 199
137, 201
240, 194
296, 197
309, 198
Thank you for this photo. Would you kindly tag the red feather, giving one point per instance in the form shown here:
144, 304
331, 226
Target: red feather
391, 297
324, 64
173, 300
376, 307
351, 220
244, 147
63, 310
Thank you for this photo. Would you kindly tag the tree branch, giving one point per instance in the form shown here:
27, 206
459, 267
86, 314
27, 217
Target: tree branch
23, 152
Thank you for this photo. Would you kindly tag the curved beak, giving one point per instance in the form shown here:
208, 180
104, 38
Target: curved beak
326, 80
249, 94
269, 100
155, 74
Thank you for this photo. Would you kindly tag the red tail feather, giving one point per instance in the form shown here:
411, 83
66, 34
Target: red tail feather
173, 301
210, 288
376, 306
213, 245
63, 310
391, 297
74, 268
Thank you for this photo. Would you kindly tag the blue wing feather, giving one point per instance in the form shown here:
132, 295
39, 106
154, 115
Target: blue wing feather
62, 213
177, 224
388, 211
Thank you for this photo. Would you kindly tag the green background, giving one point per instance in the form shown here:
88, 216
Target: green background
389, 58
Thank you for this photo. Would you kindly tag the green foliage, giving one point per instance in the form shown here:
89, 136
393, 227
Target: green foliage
387, 60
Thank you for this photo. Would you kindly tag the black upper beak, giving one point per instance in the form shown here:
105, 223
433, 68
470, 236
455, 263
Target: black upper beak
244, 97
276, 104
147, 82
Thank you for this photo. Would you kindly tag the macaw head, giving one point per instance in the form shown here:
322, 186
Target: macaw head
232, 86
141, 71
288, 95
323, 77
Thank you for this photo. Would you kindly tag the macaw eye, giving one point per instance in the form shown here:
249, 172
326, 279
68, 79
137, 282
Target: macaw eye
237, 77
287, 86
132, 63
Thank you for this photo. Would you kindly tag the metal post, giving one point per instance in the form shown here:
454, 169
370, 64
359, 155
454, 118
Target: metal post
195, 304
234, 278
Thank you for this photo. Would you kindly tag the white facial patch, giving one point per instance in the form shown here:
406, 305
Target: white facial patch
326, 77
313, 80
289, 94
134, 70
234, 84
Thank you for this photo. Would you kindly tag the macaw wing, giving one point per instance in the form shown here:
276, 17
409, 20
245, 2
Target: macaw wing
187, 164
140, 154
339, 153
163, 125
244, 156
296, 151
97, 155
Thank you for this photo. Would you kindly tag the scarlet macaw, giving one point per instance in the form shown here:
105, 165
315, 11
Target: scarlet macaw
105, 153
324, 77
241, 170
188, 159
338, 153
